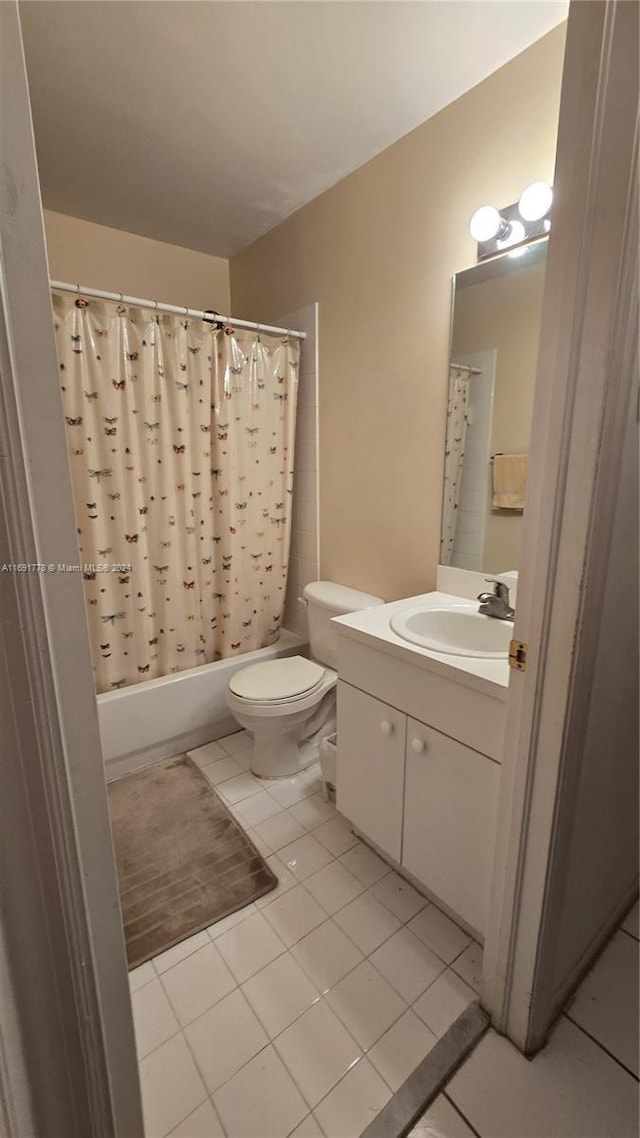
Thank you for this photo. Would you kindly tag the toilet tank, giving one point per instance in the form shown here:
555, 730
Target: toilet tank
324, 600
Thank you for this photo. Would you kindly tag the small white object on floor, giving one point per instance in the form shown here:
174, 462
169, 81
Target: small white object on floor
329, 765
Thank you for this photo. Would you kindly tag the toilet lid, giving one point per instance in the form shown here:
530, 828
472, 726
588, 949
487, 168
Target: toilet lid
276, 679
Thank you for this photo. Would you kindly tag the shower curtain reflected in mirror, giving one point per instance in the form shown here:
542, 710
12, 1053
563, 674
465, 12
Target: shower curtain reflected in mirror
181, 439
457, 418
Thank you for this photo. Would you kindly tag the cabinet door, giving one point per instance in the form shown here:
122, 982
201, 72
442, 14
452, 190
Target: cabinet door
449, 821
371, 749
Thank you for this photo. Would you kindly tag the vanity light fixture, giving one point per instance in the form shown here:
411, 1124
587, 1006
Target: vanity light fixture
515, 236
535, 201
515, 225
486, 223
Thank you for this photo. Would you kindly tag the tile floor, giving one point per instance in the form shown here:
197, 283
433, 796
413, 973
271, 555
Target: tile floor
303, 1013
584, 1084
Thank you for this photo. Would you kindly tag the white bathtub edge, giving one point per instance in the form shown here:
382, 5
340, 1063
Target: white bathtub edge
157, 719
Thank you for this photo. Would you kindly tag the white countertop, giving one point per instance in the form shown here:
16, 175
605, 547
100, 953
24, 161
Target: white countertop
371, 626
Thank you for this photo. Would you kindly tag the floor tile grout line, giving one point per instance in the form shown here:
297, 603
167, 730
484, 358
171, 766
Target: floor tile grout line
594, 1039
365, 1050
323, 996
143, 1058
186, 1116
347, 973
317, 1122
366, 956
242, 1065
225, 755
153, 959
420, 994
238, 986
239, 983
186, 1119
443, 1092
342, 1078
290, 1072
168, 994
272, 1038
300, 884
403, 925
282, 1059
272, 1041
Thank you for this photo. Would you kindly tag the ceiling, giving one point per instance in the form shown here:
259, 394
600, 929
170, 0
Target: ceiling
205, 124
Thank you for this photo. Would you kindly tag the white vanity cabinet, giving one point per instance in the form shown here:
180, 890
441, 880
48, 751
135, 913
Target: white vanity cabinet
419, 753
450, 804
371, 783
421, 797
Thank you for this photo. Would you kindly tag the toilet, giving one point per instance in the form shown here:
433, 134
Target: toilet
289, 705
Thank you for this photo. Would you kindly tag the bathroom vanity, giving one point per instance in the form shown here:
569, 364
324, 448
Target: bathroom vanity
420, 737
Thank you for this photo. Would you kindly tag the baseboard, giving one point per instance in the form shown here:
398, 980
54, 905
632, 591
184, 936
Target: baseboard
419, 886
593, 950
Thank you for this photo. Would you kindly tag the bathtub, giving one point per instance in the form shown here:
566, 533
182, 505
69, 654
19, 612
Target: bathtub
159, 718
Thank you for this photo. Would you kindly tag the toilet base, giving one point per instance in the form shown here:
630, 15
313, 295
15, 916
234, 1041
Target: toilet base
282, 756
286, 737
284, 746
282, 753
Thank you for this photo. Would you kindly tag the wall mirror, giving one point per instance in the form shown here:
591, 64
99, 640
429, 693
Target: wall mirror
495, 329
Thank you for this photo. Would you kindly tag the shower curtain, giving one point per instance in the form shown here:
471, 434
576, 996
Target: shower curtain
457, 416
181, 440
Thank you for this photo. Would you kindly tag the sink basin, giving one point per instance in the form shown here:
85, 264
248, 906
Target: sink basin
456, 632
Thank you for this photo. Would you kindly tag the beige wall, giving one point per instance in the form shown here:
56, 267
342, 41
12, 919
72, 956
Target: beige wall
505, 314
377, 251
82, 252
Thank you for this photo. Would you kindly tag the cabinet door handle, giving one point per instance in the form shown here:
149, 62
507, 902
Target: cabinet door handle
386, 727
418, 746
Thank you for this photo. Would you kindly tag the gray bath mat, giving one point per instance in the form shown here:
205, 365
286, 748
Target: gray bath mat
183, 861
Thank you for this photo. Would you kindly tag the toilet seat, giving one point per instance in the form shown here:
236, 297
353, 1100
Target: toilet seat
277, 681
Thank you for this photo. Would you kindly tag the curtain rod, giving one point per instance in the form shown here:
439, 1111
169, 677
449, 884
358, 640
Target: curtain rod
465, 367
196, 314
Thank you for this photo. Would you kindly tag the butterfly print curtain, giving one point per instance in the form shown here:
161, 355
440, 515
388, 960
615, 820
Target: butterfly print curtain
180, 441
457, 416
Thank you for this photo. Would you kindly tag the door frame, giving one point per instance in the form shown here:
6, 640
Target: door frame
67, 1051
586, 373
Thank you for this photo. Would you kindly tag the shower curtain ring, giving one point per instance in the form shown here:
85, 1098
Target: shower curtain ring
80, 302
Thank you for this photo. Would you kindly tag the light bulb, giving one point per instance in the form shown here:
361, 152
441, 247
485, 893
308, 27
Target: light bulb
514, 236
535, 201
485, 223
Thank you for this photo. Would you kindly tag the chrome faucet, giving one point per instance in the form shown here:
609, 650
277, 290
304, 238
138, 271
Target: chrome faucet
496, 603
